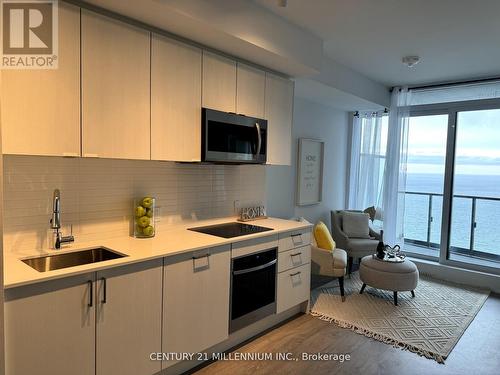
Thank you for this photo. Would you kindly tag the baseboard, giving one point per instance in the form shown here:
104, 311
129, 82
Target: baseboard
458, 275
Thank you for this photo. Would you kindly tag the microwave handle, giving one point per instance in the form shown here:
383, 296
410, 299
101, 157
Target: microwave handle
259, 140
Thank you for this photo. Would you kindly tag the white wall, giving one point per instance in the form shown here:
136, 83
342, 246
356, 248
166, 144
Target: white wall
312, 120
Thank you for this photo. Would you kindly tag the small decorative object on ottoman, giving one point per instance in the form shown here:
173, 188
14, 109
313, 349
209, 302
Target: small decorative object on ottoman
394, 276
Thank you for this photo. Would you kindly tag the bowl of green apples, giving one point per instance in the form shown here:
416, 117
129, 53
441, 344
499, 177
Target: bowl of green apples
144, 217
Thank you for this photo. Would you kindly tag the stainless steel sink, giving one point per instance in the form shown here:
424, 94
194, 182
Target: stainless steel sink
76, 258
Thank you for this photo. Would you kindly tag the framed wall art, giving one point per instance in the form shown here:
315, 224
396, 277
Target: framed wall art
310, 171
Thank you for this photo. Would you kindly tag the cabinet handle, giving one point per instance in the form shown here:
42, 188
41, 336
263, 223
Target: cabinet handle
259, 140
201, 256
103, 279
296, 254
91, 293
295, 274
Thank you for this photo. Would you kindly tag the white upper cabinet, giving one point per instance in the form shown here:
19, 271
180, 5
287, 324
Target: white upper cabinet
219, 83
278, 112
41, 108
250, 94
121, 93
175, 100
115, 89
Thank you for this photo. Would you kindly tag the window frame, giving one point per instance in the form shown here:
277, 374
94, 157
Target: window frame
451, 109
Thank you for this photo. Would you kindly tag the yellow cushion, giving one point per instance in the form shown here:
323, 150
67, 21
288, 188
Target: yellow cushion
323, 237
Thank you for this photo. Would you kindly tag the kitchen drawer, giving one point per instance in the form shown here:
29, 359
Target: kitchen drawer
293, 287
294, 258
254, 245
291, 240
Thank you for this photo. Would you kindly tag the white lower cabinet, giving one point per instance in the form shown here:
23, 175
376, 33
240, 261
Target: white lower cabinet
92, 324
293, 287
196, 300
129, 319
110, 321
50, 328
294, 258
294, 269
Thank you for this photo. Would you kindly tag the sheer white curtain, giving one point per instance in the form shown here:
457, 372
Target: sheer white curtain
367, 166
393, 202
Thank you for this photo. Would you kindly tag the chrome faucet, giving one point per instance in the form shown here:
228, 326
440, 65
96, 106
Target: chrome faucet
55, 222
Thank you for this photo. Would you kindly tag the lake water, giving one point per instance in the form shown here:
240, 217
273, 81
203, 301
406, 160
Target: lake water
486, 235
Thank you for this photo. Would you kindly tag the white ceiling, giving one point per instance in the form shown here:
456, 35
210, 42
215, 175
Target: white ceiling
456, 39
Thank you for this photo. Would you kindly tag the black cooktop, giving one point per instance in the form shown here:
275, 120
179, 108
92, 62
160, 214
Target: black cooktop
229, 230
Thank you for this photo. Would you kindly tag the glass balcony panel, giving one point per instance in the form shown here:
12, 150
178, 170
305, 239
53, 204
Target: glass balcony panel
486, 234
460, 223
416, 213
437, 214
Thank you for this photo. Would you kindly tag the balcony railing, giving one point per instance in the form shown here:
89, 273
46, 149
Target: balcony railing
425, 232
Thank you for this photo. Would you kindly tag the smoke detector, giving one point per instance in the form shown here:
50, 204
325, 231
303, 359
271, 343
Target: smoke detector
282, 3
410, 61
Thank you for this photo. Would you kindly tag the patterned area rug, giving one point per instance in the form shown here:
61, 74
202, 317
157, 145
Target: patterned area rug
429, 324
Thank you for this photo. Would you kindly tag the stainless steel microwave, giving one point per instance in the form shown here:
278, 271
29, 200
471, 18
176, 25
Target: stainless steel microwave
231, 138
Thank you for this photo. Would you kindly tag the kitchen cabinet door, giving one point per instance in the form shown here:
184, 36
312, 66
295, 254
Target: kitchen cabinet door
294, 287
115, 89
175, 101
250, 95
219, 83
278, 112
196, 300
41, 108
129, 307
50, 328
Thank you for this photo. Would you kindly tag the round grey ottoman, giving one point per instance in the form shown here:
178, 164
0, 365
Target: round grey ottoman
397, 277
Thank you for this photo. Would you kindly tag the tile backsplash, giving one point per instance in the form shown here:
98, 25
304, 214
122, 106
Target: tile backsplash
97, 195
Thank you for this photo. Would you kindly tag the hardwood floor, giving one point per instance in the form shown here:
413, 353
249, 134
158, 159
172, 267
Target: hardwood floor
476, 353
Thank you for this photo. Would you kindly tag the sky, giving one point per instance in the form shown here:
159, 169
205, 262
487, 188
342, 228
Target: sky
477, 144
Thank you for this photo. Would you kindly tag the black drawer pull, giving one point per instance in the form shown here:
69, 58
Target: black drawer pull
201, 256
295, 274
91, 293
104, 292
296, 254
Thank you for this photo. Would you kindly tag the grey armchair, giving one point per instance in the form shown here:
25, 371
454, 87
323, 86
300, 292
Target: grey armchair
356, 248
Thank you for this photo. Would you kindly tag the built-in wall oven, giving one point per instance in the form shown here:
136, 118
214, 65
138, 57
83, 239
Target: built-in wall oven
231, 138
253, 288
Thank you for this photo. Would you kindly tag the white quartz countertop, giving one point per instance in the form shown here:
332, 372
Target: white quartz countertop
166, 243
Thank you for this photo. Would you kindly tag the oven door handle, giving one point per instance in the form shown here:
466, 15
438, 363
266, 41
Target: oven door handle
253, 269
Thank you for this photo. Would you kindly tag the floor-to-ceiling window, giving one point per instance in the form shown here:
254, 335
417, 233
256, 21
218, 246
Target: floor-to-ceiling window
449, 163
427, 135
452, 197
475, 209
